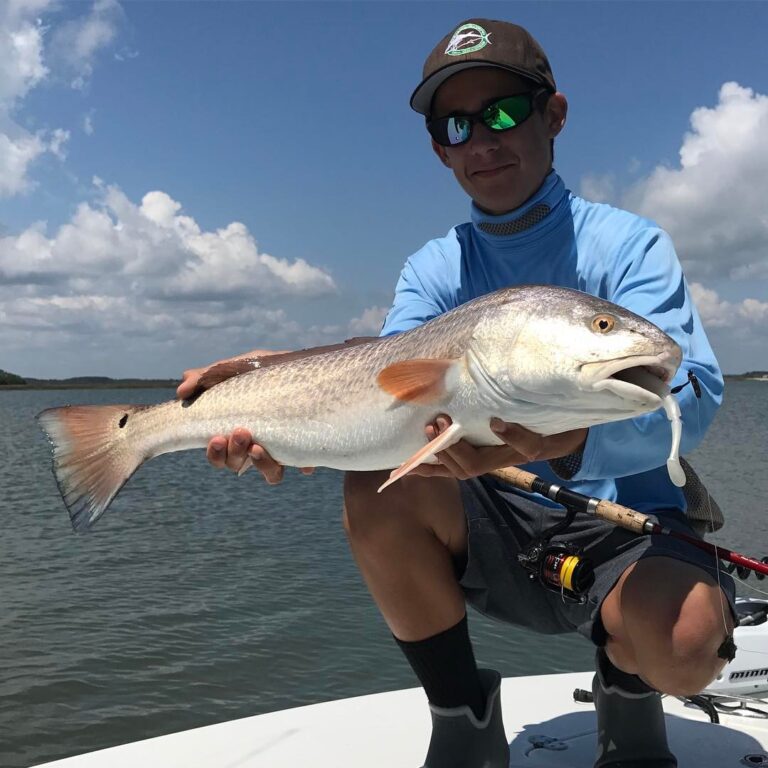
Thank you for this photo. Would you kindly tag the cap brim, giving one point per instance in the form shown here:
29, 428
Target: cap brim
421, 98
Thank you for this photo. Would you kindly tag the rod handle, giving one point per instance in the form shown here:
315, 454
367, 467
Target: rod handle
605, 510
621, 516
517, 477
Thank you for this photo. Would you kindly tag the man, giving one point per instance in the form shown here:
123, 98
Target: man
448, 534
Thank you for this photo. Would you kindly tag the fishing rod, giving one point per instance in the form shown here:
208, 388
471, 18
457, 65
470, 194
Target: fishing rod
619, 515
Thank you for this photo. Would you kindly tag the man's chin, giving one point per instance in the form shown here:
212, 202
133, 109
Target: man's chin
498, 205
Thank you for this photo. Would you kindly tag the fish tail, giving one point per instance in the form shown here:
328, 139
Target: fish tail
93, 456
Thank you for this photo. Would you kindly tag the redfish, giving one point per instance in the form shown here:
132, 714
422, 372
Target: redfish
551, 359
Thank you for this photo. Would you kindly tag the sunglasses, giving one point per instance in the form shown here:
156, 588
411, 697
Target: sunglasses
502, 115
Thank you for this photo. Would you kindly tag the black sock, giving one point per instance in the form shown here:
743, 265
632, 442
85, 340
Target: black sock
446, 668
623, 680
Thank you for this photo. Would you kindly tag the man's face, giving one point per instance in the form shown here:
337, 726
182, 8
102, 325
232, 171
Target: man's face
499, 171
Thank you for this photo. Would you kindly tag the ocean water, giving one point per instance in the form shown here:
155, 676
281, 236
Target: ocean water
201, 597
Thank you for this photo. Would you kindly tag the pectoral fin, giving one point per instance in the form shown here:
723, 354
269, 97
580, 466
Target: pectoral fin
440, 443
416, 381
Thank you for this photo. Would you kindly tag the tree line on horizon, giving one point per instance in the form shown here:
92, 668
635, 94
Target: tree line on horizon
77, 382
10, 378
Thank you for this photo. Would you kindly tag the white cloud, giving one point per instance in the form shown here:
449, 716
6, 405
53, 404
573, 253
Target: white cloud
88, 128
746, 315
75, 44
26, 61
15, 157
369, 322
123, 280
59, 138
151, 250
598, 189
21, 69
125, 54
21, 52
129, 277
713, 205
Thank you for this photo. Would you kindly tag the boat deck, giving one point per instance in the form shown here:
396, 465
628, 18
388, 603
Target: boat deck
387, 730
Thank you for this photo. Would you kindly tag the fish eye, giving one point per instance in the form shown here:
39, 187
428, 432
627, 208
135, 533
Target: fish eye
603, 323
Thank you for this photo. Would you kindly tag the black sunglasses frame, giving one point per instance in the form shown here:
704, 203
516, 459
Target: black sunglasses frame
477, 117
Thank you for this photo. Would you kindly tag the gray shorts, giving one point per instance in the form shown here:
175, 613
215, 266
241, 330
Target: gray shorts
501, 523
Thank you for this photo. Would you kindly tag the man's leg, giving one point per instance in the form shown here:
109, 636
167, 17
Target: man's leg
665, 622
406, 541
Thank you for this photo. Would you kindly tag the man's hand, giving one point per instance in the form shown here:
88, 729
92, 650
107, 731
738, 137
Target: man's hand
463, 460
233, 451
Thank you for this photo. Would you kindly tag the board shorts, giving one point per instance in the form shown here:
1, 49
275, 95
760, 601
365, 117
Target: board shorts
501, 523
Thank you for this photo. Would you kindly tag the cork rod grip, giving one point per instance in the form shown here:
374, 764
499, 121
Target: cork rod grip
517, 477
605, 510
621, 516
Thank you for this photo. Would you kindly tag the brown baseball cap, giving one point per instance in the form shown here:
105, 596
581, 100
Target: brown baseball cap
482, 43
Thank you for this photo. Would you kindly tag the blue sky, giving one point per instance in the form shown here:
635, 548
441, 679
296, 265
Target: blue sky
189, 180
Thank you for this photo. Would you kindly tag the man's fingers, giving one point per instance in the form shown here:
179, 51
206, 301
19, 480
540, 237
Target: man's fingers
271, 470
431, 470
528, 444
188, 383
237, 449
217, 451
536, 447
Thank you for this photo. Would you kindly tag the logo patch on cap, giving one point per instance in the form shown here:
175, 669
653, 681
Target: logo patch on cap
468, 38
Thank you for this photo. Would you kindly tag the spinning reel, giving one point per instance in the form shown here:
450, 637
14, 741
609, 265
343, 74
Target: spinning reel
560, 567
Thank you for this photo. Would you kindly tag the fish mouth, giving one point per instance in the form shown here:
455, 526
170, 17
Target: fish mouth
638, 379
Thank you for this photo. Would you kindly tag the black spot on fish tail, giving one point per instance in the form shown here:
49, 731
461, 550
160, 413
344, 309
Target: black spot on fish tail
123, 421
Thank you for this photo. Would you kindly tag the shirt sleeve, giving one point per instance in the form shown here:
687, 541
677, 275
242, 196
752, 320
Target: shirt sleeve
427, 287
648, 280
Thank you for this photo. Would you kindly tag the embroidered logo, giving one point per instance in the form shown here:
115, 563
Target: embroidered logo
468, 38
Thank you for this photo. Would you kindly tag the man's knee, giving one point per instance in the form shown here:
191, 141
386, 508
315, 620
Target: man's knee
412, 504
364, 513
675, 619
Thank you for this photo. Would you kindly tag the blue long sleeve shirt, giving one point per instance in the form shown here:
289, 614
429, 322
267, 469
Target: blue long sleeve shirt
602, 251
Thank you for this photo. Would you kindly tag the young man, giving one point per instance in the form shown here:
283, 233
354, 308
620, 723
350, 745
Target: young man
448, 534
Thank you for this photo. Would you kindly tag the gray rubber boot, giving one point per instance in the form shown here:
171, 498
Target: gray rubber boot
460, 740
630, 720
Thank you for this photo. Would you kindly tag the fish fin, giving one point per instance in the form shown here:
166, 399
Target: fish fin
93, 456
223, 371
265, 361
440, 443
229, 368
416, 381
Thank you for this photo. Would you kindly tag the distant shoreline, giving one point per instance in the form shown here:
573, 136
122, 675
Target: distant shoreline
80, 384
756, 376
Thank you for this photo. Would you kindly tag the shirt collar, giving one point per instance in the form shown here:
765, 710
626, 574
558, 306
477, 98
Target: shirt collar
532, 215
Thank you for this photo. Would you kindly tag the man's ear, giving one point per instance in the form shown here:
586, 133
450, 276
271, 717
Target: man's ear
557, 110
441, 153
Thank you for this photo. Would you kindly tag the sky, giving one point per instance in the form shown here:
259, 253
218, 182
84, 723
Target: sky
185, 181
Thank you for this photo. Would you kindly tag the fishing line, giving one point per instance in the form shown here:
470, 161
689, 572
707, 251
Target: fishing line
759, 592
694, 382
717, 567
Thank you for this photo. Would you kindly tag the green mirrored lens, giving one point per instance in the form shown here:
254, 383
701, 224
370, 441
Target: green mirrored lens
507, 113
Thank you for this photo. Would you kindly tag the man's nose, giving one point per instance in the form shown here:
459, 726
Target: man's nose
483, 139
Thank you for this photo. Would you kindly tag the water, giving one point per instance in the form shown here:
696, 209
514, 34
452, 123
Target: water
202, 597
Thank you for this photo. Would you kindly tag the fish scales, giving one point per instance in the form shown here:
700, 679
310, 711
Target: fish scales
549, 358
